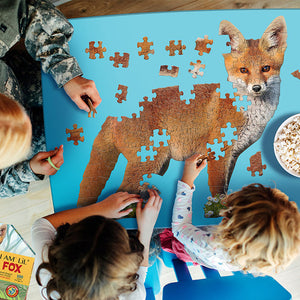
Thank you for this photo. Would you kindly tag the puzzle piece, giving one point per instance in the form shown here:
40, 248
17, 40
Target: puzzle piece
172, 47
121, 96
124, 60
230, 133
216, 149
201, 45
160, 138
95, 50
197, 66
88, 101
241, 102
75, 134
146, 151
296, 74
145, 48
165, 72
256, 164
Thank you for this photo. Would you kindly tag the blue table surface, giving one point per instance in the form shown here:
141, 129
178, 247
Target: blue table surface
121, 33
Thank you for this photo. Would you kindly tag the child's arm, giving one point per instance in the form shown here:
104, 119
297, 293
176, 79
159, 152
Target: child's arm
111, 207
146, 218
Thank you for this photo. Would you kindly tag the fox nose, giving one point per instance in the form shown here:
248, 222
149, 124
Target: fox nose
256, 88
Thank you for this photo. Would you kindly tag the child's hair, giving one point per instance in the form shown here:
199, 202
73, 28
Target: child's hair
260, 229
15, 132
92, 259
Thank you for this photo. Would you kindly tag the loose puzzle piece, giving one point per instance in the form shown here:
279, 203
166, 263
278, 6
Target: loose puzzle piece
164, 71
172, 47
160, 138
88, 101
124, 60
256, 164
201, 45
145, 48
122, 96
296, 74
75, 134
95, 50
241, 102
146, 151
196, 71
230, 133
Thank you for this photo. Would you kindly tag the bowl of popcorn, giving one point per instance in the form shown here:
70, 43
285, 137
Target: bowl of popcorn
287, 145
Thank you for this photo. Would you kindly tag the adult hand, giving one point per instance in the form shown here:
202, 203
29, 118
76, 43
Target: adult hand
39, 164
114, 205
80, 86
192, 167
146, 217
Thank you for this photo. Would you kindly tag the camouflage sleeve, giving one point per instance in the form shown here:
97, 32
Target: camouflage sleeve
15, 180
46, 39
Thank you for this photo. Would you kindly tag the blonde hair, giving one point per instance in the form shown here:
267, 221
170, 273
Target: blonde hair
93, 259
15, 132
260, 229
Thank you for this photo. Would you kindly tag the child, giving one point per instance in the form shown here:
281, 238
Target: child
92, 257
45, 32
260, 231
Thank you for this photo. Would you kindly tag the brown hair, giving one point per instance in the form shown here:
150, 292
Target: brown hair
260, 229
15, 132
92, 259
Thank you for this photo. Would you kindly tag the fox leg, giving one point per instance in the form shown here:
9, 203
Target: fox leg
104, 156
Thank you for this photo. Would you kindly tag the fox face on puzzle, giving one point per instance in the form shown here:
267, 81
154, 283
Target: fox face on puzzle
253, 67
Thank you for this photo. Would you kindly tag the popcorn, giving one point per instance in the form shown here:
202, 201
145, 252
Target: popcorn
287, 145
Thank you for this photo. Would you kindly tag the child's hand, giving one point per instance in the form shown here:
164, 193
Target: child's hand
112, 206
39, 164
80, 86
146, 217
192, 168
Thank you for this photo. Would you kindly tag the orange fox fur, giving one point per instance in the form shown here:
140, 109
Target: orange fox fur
253, 67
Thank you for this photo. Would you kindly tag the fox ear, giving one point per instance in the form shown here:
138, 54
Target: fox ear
274, 36
237, 40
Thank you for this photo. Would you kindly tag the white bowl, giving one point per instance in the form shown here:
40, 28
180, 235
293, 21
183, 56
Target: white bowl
287, 121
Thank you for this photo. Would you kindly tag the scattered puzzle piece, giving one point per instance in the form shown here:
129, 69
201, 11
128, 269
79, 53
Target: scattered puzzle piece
160, 138
75, 134
146, 151
164, 71
201, 45
95, 50
122, 96
296, 74
145, 48
197, 66
256, 164
172, 47
88, 101
124, 60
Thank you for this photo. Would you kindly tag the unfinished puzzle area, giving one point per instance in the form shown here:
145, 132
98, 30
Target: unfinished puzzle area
166, 95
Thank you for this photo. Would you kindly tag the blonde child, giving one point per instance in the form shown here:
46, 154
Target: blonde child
83, 254
259, 233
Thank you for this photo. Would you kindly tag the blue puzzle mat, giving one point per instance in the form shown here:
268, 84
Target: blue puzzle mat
121, 34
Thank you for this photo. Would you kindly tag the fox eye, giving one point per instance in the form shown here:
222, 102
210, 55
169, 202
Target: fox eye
244, 70
265, 68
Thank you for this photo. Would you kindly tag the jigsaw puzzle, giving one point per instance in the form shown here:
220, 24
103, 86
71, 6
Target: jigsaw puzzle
196, 71
147, 152
201, 45
122, 96
123, 60
88, 101
172, 47
192, 126
164, 71
256, 164
75, 134
145, 48
296, 74
92, 50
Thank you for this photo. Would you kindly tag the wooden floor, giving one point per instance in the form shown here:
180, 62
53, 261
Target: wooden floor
23, 210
